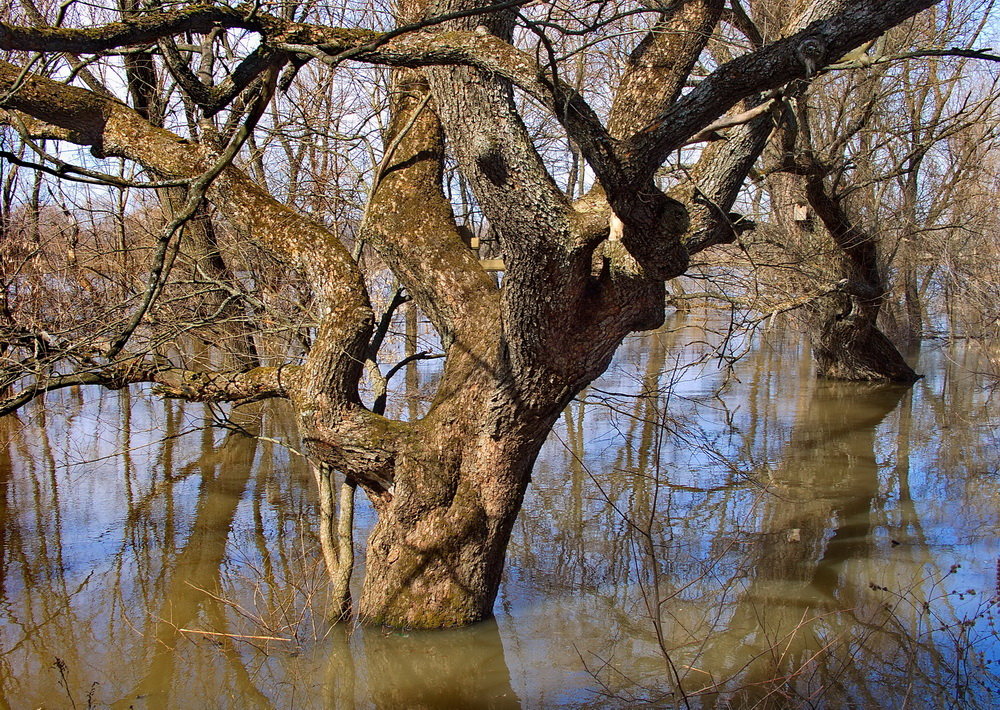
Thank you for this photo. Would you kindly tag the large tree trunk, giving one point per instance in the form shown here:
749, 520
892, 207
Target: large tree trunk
447, 490
436, 555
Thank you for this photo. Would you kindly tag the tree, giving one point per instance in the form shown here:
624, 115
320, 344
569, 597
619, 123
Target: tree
862, 152
466, 81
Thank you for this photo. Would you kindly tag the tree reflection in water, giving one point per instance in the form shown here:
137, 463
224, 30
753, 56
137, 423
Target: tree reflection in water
762, 538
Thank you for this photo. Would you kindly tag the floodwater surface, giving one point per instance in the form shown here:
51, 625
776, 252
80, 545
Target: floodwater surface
694, 535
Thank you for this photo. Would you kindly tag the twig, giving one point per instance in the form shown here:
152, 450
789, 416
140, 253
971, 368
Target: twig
236, 636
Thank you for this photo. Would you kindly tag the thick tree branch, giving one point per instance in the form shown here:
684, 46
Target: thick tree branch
659, 67
237, 386
143, 29
757, 72
409, 220
148, 28
532, 219
252, 385
111, 128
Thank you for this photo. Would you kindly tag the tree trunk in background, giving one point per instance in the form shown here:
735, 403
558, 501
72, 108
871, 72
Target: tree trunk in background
849, 345
907, 256
847, 341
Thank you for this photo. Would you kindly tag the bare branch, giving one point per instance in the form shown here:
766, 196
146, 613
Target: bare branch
259, 383
711, 131
760, 71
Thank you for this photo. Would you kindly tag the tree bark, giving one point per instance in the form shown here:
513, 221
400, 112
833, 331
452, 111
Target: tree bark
436, 555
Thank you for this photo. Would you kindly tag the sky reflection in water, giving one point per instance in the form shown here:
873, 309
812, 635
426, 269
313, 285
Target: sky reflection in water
802, 541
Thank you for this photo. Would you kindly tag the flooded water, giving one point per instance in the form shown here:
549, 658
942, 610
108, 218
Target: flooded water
692, 536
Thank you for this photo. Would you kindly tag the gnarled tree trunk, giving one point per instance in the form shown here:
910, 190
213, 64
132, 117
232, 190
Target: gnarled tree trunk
436, 555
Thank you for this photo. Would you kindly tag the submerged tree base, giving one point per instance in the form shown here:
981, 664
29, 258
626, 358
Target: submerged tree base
849, 349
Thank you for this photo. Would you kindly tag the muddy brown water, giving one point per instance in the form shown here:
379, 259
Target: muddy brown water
692, 535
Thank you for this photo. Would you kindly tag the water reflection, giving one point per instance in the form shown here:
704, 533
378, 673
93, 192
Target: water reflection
816, 520
190, 601
463, 669
740, 538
